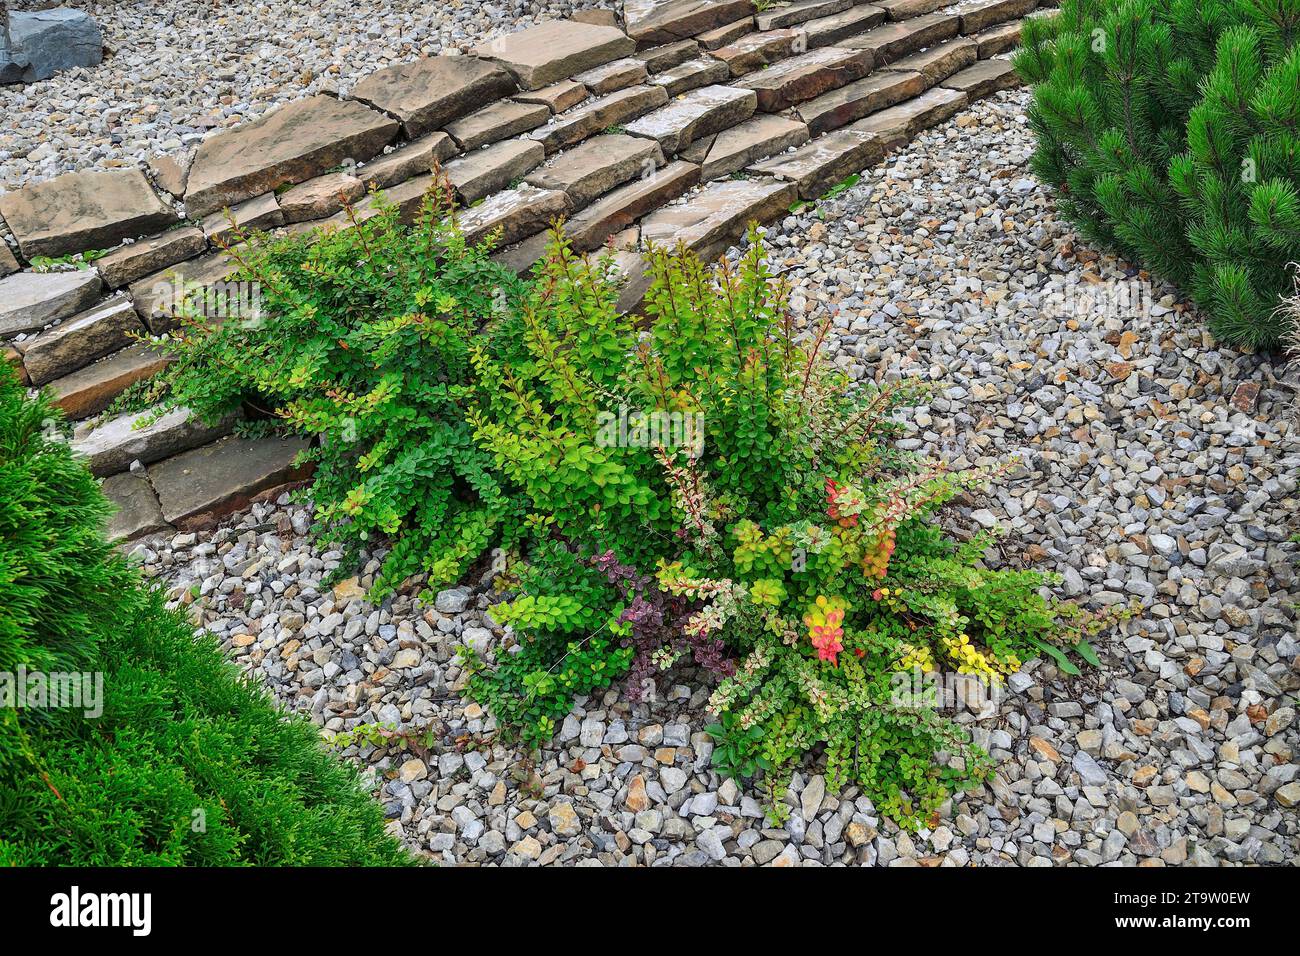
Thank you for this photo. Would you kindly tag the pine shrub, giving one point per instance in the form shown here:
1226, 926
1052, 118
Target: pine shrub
188, 762
1171, 131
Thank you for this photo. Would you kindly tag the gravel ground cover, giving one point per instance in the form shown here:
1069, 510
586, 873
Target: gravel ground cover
180, 68
1154, 468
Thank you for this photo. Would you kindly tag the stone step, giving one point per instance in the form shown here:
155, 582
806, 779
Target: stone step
517, 213
110, 447
665, 57
790, 14
497, 121
127, 263
556, 50
802, 77
156, 296
901, 123
320, 197
290, 144
898, 10
894, 40
489, 170
817, 166
32, 300
939, 61
998, 39
826, 31
415, 158
226, 225
78, 341
726, 34
733, 149
983, 15
197, 487
137, 511
611, 214
616, 109
614, 75
756, 50
90, 390
717, 216
691, 75
663, 21
698, 113
557, 97
80, 211
858, 99
983, 79
428, 93
600, 164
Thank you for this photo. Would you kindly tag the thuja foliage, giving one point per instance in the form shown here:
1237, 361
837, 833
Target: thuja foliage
778, 539
1171, 129
181, 760
363, 344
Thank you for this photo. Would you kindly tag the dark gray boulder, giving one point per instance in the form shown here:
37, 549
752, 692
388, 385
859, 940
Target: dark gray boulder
43, 42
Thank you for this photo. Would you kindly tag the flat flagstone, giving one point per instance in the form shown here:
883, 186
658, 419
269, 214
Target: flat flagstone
907, 9
136, 507
111, 446
998, 39
30, 300
557, 97
79, 340
733, 149
718, 215
416, 157
80, 211
600, 164
155, 295
90, 390
662, 21
497, 121
825, 31
700, 112
227, 225
858, 99
904, 121
212, 481
726, 34
981, 16
430, 92
756, 50
894, 40
802, 77
485, 171
612, 213
691, 75
800, 11
320, 197
984, 78
127, 263
555, 50
941, 60
665, 57
600, 114
291, 144
614, 75
817, 166
517, 213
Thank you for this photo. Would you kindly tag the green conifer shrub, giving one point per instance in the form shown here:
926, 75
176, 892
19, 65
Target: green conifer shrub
1171, 131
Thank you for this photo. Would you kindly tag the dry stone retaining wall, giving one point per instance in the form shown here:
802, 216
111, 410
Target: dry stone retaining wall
675, 121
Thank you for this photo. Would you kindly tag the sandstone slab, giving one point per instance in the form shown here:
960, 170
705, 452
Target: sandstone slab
78, 341
127, 263
733, 149
90, 390
137, 512
110, 447
894, 40
611, 214
858, 99
662, 21
756, 50
998, 39
557, 97
825, 31
157, 296
8, 263
415, 158
516, 213
718, 215
488, 170
428, 93
668, 55
231, 224
291, 144
984, 78
320, 197
790, 14
817, 166
600, 164
86, 210
497, 121
613, 110
614, 75
698, 113
556, 50
941, 60
30, 300
981, 16
206, 483
802, 77
907, 9
726, 34
691, 75
906, 120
